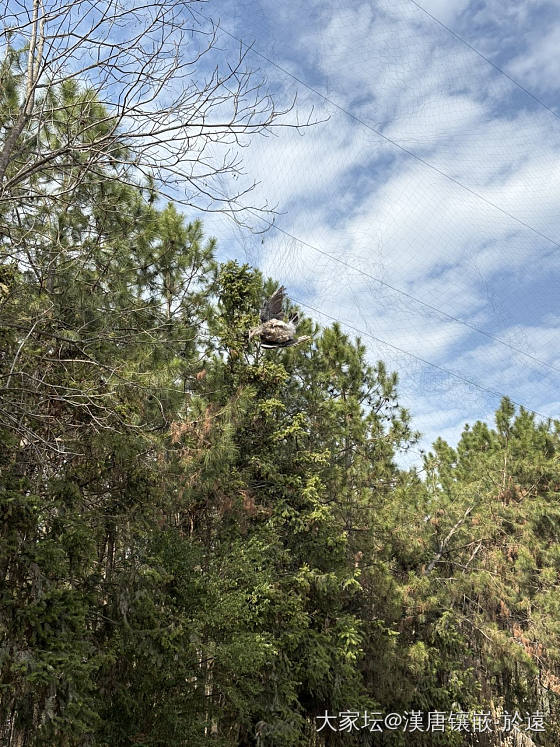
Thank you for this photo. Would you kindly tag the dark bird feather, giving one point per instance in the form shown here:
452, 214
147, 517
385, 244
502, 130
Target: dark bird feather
272, 307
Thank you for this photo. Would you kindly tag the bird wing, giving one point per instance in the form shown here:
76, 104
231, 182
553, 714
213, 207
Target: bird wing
272, 309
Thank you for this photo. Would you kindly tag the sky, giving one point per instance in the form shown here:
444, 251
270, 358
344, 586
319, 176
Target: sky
421, 211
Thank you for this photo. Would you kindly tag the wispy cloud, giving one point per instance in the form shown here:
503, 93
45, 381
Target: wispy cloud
344, 189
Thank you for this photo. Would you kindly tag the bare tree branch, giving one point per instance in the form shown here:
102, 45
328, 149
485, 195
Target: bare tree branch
176, 107
443, 544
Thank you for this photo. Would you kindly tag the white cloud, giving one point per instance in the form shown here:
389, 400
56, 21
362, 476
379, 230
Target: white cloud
351, 194
445, 10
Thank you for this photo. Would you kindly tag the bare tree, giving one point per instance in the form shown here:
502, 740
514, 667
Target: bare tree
173, 106
137, 93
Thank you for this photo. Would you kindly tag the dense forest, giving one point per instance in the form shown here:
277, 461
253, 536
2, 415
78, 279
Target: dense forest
205, 542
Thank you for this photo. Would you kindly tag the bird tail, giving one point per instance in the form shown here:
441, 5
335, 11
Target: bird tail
288, 344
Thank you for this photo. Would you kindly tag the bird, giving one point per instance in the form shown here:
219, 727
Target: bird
274, 331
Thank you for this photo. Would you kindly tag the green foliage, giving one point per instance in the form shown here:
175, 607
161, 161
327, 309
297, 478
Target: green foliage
484, 564
202, 541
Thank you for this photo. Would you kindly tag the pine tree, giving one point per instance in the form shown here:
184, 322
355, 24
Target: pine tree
479, 597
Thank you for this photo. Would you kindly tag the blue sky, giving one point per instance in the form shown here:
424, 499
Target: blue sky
422, 209
483, 252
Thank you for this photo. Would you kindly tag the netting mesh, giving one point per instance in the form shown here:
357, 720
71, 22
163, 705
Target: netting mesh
424, 208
